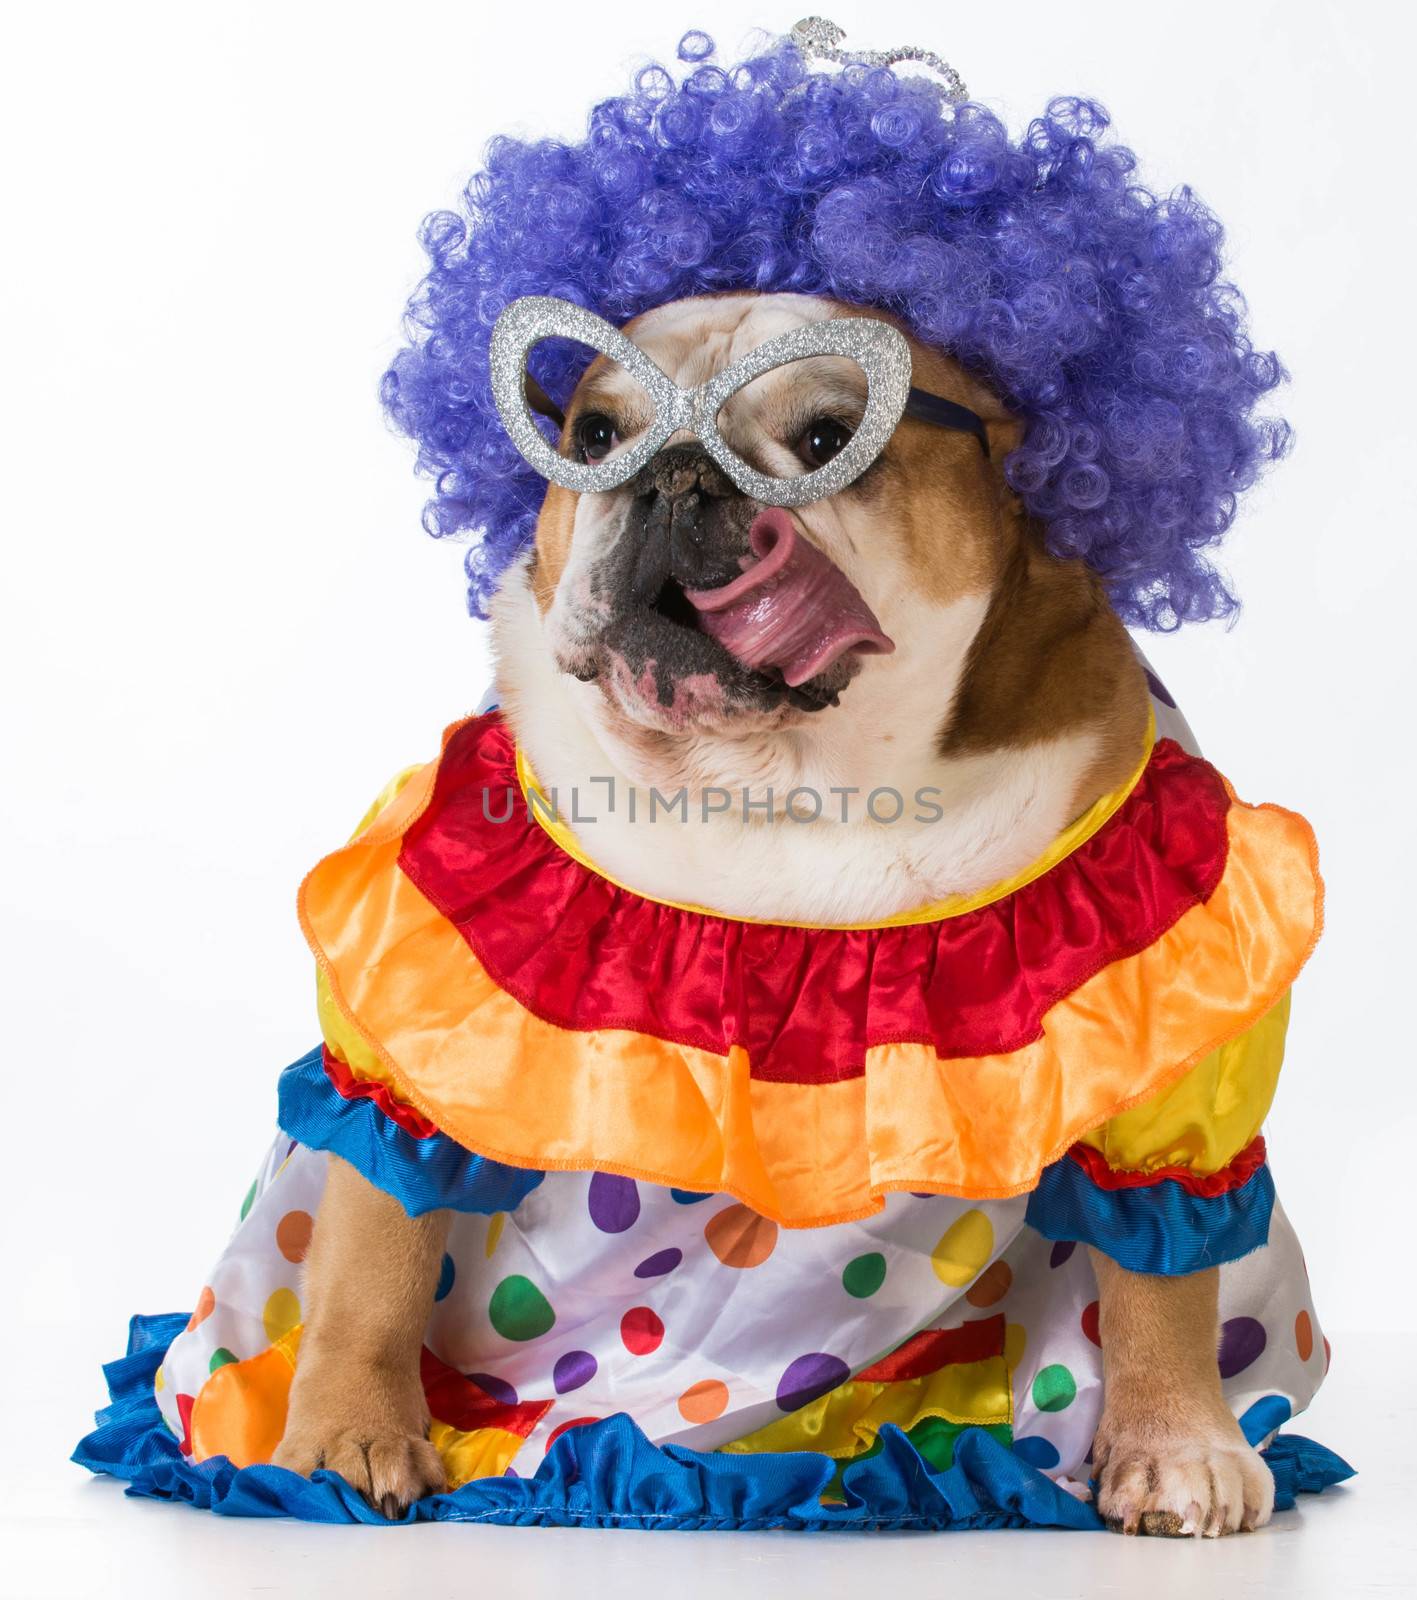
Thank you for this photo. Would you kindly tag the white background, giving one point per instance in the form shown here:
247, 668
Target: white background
223, 627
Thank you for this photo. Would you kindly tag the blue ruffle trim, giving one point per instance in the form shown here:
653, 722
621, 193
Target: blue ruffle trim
608, 1474
430, 1174
1160, 1228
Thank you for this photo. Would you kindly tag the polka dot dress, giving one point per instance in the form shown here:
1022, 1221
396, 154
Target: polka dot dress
716, 1329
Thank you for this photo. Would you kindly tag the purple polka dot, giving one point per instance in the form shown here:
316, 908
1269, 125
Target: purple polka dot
659, 1263
575, 1368
614, 1202
497, 1388
808, 1378
1242, 1341
1061, 1251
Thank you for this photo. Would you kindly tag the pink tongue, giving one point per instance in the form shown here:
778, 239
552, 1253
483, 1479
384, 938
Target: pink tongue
791, 609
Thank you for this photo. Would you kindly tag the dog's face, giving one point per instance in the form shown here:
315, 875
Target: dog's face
690, 605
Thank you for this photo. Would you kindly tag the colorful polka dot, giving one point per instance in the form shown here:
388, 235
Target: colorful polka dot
496, 1388
688, 1197
573, 1370
808, 1378
1062, 1251
614, 1202
991, 1285
1037, 1452
575, 1422
495, 1224
659, 1263
250, 1199
704, 1401
1054, 1388
1242, 1342
1304, 1335
641, 1330
1328, 1356
160, 1382
964, 1248
281, 1314
293, 1233
518, 1309
1092, 1322
221, 1357
740, 1238
447, 1272
206, 1304
863, 1276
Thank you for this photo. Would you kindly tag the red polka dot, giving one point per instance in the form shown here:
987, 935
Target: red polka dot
575, 1422
641, 1330
1091, 1323
1328, 1355
1304, 1335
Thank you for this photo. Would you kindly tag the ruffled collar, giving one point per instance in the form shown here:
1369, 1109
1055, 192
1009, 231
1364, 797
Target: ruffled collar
545, 1016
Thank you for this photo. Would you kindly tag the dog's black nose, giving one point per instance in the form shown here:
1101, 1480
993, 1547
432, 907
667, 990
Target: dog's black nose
694, 523
682, 469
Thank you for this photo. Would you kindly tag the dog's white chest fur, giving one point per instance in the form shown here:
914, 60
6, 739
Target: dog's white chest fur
964, 822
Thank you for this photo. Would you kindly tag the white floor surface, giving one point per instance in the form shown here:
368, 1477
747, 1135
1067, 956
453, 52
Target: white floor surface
65, 1534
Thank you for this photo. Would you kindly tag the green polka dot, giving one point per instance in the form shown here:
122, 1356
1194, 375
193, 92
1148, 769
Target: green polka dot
1054, 1389
519, 1310
221, 1358
863, 1276
250, 1199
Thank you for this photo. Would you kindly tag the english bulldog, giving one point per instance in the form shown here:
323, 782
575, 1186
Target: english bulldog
909, 633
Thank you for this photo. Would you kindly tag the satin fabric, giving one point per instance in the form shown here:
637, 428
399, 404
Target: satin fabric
323, 1108
414, 1005
806, 1004
609, 1474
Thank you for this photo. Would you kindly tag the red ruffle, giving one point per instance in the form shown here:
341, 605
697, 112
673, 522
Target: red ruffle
804, 1003
352, 1088
1208, 1185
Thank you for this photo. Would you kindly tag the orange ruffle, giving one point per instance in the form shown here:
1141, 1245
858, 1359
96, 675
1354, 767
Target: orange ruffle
416, 1009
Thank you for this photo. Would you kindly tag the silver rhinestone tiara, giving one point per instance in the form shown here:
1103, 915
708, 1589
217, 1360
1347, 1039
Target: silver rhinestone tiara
815, 36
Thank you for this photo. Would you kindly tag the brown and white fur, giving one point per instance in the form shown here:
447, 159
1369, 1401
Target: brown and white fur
1013, 694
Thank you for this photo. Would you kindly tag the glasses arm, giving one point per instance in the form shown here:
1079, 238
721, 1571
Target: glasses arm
934, 408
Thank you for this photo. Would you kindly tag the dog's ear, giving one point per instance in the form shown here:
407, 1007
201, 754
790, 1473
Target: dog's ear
542, 403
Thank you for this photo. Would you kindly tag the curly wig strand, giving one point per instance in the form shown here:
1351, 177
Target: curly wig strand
1092, 307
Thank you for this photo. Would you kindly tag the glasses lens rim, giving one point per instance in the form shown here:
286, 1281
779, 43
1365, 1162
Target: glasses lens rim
880, 350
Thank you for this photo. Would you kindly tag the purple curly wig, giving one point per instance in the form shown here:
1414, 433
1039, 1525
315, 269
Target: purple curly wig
1094, 309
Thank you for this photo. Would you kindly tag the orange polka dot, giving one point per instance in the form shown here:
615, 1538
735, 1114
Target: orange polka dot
1304, 1335
1328, 1356
206, 1304
293, 1234
704, 1402
740, 1237
991, 1285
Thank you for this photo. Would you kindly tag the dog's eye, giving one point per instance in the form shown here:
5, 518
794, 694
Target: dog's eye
822, 439
595, 436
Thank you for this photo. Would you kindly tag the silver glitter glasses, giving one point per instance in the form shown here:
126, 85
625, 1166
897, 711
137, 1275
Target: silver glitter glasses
878, 349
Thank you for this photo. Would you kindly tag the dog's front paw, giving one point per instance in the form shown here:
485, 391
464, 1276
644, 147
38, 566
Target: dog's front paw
1189, 1484
373, 1440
